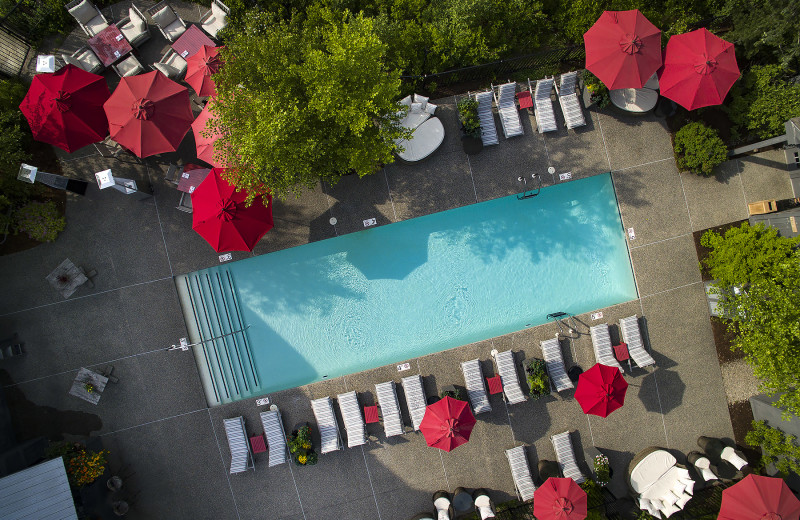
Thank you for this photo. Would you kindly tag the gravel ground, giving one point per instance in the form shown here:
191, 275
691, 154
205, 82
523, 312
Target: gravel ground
740, 384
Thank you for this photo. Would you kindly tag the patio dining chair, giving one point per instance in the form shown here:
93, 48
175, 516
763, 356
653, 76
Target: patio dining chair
215, 19
88, 16
167, 20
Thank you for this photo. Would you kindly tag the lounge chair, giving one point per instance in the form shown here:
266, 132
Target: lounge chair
84, 58
601, 343
633, 338
476, 389
215, 19
551, 351
565, 456
134, 27
415, 399
390, 408
545, 118
172, 65
488, 130
241, 456
276, 436
568, 98
167, 20
521, 472
88, 16
130, 66
326, 422
508, 374
507, 109
353, 420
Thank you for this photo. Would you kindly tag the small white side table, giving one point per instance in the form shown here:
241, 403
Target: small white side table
45, 63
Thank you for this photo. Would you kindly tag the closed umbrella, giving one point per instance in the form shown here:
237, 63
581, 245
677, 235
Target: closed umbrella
200, 66
447, 423
65, 108
149, 114
601, 390
699, 69
623, 49
220, 216
205, 143
759, 498
559, 499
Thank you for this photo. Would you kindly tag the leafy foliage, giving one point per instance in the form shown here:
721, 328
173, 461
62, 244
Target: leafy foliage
468, 115
598, 90
305, 100
765, 30
777, 447
83, 466
40, 220
538, 381
15, 138
699, 148
761, 102
302, 448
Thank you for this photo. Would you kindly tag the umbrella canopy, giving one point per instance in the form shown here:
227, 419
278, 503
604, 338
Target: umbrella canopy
65, 108
601, 390
559, 499
221, 217
759, 498
447, 423
623, 49
149, 114
205, 145
199, 68
699, 69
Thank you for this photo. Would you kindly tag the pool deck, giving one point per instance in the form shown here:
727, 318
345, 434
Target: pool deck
155, 420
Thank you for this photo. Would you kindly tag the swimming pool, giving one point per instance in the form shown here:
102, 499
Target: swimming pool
427, 284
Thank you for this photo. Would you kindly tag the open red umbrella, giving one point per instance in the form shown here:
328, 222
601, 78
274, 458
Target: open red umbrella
699, 69
205, 145
601, 390
221, 217
65, 108
447, 423
559, 499
149, 114
623, 49
759, 498
199, 68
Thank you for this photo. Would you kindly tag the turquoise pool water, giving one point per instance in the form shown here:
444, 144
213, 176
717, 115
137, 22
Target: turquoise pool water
402, 290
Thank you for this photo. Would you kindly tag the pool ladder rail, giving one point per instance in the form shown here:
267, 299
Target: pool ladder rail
572, 326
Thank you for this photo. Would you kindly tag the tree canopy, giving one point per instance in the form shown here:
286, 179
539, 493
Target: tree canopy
304, 100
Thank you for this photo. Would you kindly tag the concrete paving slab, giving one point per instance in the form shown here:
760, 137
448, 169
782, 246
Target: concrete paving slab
580, 152
765, 176
353, 200
717, 200
349, 507
634, 140
447, 112
666, 264
651, 201
298, 221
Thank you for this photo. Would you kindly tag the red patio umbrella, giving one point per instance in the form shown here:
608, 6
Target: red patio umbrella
221, 217
559, 499
149, 114
205, 145
759, 498
601, 390
65, 108
447, 423
623, 49
699, 69
199, 68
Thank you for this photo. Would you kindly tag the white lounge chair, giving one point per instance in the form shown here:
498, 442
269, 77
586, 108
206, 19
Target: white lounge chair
507, 109
565, 455
88, 16
601, 343
326, 422
415, 399
390, 408
486, 117
241, 457
167, 20
551, 351
276, 436
353, 420
543, 104
521, 472
508, 375
476, 388
568, 98
633, 338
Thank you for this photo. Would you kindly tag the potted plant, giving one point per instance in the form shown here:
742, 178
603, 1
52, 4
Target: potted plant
470, 125
453, 392
602, 469
538, 381
83, 466
89, 387
301, 447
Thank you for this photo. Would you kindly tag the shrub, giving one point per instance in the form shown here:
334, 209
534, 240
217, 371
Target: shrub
456, 393
302, 448
538, 381
468, 115
699, 149
83, 466
40, 220
761, 102
598, 91
776, 447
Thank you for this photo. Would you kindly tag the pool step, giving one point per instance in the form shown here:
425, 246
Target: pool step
215, 324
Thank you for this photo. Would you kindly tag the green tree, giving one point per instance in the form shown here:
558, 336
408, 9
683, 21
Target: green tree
765, 30
15, 140
763, 315
776, 447
305, 100
699, 149
761, 102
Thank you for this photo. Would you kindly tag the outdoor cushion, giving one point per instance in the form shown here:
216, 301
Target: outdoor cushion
174, 30
168, 70
669, 510
430, 108
682, 500
669, 498
96, 24
689, 486
421, 100
83, 12
214, 25
134, 16
130, 67
217, 11
406, 101
176, 62
164, 16
650, 470
133, 29
414, 118
679, 488
88, 60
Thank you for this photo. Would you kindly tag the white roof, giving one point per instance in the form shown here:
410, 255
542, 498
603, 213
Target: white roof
40, 492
